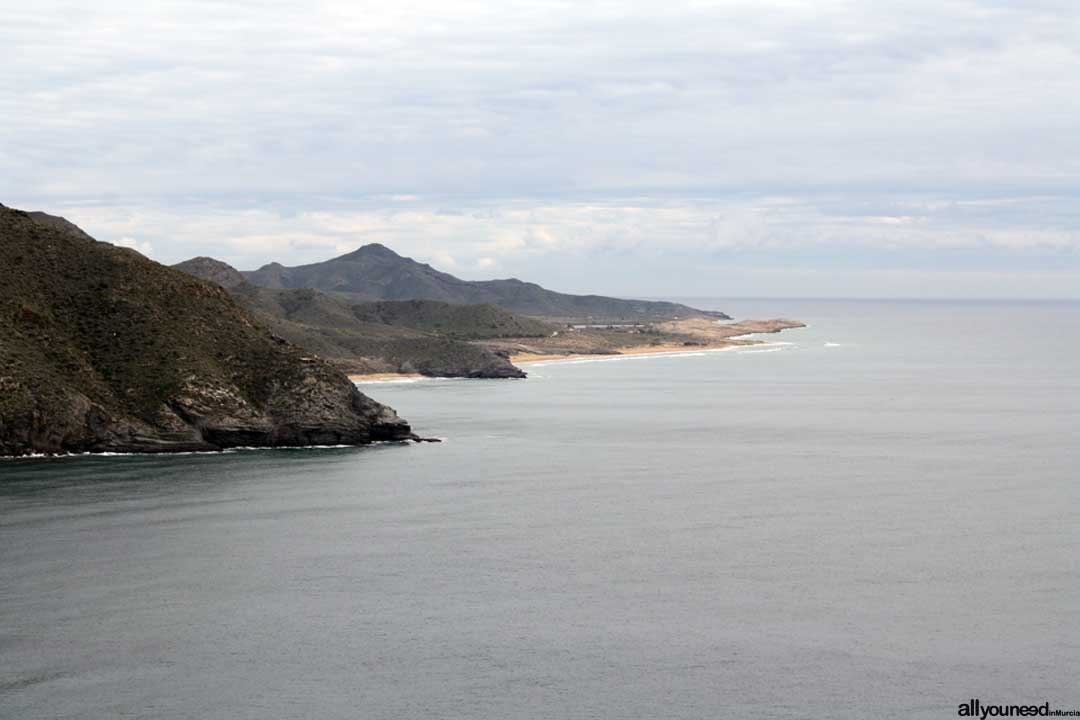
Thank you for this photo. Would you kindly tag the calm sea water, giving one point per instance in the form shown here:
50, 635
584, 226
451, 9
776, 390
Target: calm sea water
877, 519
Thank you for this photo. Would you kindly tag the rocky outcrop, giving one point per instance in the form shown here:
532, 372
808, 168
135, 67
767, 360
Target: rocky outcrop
103, 350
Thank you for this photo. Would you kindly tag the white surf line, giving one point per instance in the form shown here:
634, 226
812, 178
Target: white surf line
761, 350
167, 454
406, 381
775, 346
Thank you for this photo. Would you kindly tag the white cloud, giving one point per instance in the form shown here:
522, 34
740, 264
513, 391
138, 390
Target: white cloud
534, 97
496, 137
491, 236
144, 248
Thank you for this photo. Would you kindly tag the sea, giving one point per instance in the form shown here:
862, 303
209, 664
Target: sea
875, 516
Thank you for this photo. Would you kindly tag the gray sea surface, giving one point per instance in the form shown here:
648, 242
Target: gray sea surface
875, 516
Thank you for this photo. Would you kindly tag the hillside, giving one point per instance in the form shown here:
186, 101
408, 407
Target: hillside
213, 270
374, 272
102, 349
357, 340
412, 336
464, 322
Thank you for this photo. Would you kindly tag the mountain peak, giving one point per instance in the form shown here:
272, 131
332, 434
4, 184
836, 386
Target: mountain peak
371, 250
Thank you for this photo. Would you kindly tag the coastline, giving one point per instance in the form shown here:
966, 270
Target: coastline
701, 335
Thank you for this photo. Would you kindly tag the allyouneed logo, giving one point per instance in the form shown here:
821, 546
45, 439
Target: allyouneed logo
975, 708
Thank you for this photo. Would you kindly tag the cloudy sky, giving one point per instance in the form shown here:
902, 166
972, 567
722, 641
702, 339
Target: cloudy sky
916, 149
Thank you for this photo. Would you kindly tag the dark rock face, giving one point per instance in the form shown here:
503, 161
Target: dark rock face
103, 350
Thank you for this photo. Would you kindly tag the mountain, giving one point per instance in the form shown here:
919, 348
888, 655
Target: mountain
408, 336
375, 272
102, 349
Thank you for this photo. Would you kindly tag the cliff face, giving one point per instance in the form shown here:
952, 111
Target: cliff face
103, 350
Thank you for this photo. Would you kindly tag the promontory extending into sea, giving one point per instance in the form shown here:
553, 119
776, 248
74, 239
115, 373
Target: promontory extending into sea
104, 350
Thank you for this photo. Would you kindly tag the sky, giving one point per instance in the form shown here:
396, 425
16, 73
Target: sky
675, 148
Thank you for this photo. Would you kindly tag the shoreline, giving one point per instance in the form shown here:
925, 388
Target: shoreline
704, 336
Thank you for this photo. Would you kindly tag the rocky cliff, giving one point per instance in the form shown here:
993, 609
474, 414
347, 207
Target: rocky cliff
102, 350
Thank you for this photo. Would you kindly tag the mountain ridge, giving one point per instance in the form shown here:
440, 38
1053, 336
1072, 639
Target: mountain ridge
375, 272
428, 337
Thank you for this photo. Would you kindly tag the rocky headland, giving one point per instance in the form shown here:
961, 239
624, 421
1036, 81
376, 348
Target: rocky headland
103, 350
